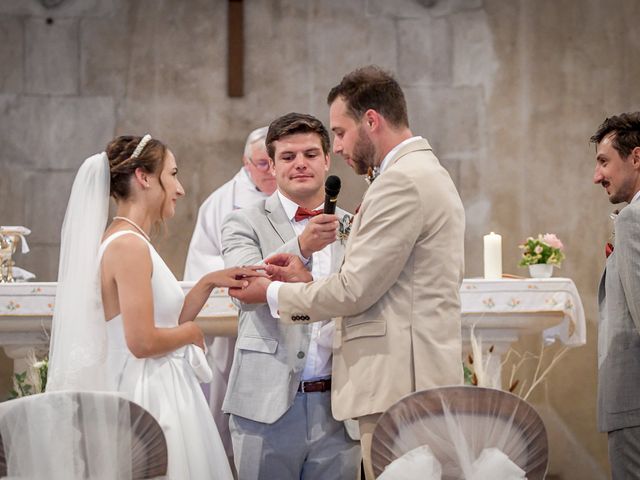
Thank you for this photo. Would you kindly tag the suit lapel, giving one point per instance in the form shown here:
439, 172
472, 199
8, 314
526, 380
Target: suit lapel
278, 218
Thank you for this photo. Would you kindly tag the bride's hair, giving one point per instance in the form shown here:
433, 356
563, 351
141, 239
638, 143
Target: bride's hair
122, 166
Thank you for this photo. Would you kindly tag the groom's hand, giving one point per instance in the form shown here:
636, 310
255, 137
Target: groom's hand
255, 292
287, 267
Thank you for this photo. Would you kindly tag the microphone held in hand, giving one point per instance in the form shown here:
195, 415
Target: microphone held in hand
331, 190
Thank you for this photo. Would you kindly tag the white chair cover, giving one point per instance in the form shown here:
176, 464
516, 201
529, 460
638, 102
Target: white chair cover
472, 433
80, 435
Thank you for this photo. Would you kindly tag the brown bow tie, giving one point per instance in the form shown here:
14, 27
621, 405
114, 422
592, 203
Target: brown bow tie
608, 249
303, 213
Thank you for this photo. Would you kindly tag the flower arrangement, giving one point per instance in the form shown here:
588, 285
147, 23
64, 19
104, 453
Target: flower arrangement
545, 249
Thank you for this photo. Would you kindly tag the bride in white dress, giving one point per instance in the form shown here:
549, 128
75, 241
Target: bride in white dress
121, 320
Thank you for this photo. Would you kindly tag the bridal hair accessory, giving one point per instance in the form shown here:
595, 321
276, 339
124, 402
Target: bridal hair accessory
141, 145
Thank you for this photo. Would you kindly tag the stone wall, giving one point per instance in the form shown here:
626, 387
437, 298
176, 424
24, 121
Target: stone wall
507, 91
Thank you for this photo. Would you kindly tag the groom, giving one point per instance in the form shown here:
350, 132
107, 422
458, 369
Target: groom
397, 292
279, 392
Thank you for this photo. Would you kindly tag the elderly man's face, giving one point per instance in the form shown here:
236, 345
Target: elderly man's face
259, 168
619, 176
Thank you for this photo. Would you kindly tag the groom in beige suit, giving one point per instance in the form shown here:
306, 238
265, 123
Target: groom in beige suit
397, 293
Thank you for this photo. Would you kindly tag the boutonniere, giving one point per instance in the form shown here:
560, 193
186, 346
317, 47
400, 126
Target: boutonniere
344, 228
372, 174
613, 216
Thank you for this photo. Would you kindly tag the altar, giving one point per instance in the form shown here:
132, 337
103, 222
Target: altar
499, 311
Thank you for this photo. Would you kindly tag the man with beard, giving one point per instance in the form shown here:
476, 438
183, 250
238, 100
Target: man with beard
618, 171
397, 292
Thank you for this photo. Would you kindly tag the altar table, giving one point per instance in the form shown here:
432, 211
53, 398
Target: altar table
499, 311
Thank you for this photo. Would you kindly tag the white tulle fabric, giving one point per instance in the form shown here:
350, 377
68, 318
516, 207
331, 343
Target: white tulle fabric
421, 464
468, 433
66, 436
79, 339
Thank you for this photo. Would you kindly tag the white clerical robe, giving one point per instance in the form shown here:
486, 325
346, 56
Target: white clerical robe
204, 256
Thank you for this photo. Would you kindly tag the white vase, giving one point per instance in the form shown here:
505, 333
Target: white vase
540, 270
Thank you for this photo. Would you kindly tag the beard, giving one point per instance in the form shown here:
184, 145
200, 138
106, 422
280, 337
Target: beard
364, 153
625, 193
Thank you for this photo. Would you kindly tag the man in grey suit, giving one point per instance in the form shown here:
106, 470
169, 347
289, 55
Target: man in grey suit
618, 171
279, 392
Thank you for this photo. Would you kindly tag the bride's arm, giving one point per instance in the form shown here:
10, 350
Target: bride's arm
127, 263
198, 295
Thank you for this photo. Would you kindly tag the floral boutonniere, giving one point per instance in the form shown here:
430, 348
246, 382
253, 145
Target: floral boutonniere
613, 216
344, 228
372, 174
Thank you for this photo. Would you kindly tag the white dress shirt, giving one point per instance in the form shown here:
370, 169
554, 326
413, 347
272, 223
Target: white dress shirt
318, 364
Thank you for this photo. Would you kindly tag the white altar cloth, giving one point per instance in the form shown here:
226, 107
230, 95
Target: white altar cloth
551, 306
528, 297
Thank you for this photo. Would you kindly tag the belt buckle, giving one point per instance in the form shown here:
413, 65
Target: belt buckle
302, 385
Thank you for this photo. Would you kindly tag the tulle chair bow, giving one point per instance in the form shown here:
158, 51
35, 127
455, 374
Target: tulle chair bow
79, 435
468, 433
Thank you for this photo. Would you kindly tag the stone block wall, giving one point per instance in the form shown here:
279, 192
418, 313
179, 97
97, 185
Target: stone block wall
507, 91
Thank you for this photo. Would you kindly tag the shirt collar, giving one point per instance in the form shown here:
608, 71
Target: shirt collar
290, 207
396, 149
635, 197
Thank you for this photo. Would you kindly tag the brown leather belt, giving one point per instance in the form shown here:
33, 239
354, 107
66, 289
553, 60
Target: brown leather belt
315, 386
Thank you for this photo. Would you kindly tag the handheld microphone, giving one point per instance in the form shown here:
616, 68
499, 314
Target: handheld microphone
331, 190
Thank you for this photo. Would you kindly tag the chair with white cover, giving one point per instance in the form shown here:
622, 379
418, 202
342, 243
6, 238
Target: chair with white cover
79, 435
460, 432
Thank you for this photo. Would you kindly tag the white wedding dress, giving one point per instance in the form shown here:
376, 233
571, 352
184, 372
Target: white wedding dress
167, 385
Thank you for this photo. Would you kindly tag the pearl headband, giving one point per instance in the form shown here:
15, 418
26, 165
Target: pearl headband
141, 145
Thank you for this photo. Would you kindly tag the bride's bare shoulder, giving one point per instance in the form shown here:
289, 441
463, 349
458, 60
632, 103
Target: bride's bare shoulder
125, 247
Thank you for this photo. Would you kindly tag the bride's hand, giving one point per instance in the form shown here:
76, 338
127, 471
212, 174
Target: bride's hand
235, 277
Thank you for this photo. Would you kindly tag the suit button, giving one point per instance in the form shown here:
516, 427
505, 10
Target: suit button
300, 354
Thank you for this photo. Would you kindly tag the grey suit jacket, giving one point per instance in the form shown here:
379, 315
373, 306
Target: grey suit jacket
270, 355
619, 328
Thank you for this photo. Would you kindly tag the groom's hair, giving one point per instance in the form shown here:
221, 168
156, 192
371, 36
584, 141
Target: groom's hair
293, 123
372, 88
625, 129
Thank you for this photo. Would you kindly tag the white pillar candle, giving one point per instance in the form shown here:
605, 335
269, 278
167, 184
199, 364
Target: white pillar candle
492, 256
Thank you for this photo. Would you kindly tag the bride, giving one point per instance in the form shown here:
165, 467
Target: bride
121, 321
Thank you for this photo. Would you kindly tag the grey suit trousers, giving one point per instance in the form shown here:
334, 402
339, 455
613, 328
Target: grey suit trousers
306, 443
624, 453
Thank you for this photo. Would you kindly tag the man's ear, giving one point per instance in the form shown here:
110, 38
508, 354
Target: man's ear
327, 162
635, 157
371, 120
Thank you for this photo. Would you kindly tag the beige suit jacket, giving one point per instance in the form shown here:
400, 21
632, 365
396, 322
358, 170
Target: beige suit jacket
397, 291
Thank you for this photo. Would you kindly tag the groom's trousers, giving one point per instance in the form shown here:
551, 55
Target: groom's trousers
306, 443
